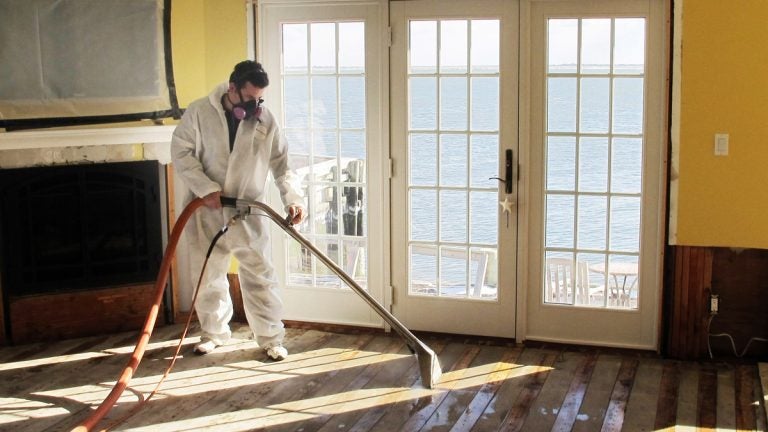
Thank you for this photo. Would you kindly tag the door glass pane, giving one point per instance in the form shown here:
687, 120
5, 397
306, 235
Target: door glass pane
483, 214
423, 159
453, 139
453, 103
354, 261
625, 223
483, 276
594, 162
594, 112
561, 163
484, 159
485, 103
484, 54
324, 277
592, 281
623, 281
296, 94
626, 164
561, 104
423, 47
323, 79
562, 47
422, 94
627, 96
423, 203
629, 46
560, 220
591, 222
352, 47
324, 102
453, 272
423, 271
295, 49
352, 102
453, 160
595, 46
454, 35
352, 145
323, 42
453, 216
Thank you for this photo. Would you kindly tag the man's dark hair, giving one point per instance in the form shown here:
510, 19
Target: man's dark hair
249, 71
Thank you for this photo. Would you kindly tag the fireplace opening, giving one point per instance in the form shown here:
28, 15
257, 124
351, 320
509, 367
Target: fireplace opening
78, 227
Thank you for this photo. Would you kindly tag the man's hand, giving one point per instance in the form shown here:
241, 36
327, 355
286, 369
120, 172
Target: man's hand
297, 214
213, 200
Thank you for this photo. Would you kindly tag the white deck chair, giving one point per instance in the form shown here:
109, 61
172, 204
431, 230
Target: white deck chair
560, 276
566, 279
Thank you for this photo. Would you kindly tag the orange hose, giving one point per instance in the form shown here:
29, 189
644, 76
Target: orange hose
149, 323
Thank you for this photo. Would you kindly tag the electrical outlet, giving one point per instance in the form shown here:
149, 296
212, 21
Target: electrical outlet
721, 144
714, 304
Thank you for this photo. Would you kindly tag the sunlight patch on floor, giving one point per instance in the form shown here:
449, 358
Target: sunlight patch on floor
67, 358
51, 360
339, 403
228, 376
225, 370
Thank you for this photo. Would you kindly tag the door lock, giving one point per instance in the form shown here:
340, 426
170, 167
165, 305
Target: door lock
509, 177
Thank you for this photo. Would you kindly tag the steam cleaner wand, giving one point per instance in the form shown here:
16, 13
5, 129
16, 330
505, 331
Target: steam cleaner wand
429, 366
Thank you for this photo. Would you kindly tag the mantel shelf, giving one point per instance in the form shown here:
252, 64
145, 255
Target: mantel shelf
85, 137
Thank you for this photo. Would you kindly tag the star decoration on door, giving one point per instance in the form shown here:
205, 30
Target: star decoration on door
507, 204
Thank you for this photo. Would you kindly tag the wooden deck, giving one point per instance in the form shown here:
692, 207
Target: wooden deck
369, 382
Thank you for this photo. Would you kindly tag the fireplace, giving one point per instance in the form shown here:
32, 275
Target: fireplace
77, 240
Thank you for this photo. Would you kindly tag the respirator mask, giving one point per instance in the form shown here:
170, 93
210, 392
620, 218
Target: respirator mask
248, 109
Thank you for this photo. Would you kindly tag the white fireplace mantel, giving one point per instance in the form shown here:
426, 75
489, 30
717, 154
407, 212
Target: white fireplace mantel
37, 139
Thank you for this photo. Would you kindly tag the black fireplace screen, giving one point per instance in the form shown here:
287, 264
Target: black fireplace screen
74, 227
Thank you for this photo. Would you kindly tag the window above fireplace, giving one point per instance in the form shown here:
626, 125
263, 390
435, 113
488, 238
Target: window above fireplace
75, 62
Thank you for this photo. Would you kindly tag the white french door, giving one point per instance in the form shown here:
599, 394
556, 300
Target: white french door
404, 160
324, 62
596, 119
453, 121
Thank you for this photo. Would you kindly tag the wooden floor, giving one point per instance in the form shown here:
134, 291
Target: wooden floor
369, 382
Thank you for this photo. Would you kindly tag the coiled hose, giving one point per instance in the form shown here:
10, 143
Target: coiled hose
149, 322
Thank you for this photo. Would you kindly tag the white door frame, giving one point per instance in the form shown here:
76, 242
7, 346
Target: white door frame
570, 324
458, 315
340, 306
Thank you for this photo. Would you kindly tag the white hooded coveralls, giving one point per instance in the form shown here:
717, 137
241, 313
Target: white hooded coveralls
201, 157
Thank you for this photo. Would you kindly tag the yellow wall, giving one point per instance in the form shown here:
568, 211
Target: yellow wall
208, 39
226, 40
188, 49
723, 200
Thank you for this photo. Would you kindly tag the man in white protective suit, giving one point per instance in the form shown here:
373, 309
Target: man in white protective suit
225, 145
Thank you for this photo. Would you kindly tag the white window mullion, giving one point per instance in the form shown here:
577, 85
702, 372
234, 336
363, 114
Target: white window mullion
577, 144
611, 137
439, 135
467, 171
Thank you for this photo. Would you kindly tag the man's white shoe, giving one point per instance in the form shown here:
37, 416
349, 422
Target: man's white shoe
277, 352
205, 347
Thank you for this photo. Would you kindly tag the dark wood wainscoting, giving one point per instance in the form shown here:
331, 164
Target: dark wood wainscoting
739, 278
689, 273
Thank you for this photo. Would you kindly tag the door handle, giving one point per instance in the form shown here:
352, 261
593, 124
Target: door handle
509, 177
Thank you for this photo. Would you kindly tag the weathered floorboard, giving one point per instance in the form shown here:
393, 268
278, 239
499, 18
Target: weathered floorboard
369, 381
